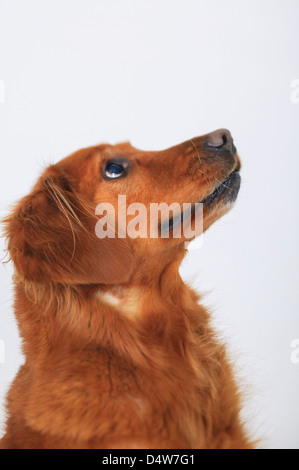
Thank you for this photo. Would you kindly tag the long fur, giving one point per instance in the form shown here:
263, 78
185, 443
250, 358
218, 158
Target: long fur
146, 371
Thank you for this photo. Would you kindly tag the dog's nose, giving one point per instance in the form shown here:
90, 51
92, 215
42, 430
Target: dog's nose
221, 138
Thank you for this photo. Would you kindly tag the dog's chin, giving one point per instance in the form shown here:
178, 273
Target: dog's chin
224, 194
221, 200
213, 206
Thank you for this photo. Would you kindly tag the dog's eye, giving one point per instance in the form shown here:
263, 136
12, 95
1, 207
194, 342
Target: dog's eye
115, 169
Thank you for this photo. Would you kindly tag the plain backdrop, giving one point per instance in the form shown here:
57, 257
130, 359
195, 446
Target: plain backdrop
157, 72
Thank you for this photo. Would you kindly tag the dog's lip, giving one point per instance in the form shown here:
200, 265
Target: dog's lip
227, 189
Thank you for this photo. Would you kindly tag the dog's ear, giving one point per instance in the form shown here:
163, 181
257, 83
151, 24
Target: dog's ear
51, 237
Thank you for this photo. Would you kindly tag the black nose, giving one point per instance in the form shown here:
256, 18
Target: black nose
221, 138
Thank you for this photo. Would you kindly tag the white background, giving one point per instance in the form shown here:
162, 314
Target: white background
157, 72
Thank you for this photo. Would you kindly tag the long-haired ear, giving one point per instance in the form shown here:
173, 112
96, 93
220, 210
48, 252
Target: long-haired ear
51, 237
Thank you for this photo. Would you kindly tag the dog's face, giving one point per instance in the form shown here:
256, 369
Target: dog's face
52, 232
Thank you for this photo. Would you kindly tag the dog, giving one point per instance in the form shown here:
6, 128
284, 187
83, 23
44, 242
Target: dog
119, 352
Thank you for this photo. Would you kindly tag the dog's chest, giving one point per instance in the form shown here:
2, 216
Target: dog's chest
105, 397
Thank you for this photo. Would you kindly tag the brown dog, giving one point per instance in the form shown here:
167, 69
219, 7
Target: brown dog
119, 354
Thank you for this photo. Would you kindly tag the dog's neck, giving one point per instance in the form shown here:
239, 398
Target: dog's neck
117, 318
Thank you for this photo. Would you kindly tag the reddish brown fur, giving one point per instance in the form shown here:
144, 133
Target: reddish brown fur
97, 375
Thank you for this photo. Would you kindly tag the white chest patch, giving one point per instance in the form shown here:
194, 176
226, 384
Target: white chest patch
126, 301
108, 298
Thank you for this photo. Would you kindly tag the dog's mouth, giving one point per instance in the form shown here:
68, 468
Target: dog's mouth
224, 194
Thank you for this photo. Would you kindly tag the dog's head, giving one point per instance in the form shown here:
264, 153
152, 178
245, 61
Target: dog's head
55, 233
